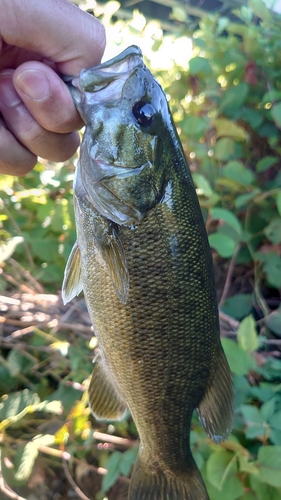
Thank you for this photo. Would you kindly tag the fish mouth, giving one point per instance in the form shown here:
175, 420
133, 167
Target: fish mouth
117, 68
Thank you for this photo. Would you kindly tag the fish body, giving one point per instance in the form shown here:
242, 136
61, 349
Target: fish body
143, 261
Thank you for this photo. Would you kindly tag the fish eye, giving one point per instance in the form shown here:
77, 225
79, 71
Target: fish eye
144, 113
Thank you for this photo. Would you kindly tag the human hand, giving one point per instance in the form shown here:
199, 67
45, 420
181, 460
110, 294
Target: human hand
38, 40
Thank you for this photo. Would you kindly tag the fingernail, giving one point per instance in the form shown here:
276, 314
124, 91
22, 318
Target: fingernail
8, 94
34, 84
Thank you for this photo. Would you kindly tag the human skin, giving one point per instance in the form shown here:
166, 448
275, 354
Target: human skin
38, 41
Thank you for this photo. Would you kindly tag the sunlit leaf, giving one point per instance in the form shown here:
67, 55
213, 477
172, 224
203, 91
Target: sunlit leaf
276, 114
7, 248
247, 334
265, 163
227, 216
228, 128
269, 463
27, 454
223, 244
199, 65
237, 172
259, 9
240, 361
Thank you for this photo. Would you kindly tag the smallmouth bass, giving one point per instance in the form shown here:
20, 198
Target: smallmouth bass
143, 261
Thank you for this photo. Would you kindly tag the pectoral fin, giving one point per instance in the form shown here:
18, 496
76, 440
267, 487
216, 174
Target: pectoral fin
104, 399
114, 256
217, 406
72, 282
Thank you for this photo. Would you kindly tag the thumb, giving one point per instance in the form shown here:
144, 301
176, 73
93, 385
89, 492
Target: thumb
55, 29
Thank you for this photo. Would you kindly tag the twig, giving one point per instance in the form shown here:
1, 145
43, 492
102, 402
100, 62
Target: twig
233, 323
67, 457
66, 315
31, 326
100, 436
26, 275
72, 482
8, 491
22, 287
229, 276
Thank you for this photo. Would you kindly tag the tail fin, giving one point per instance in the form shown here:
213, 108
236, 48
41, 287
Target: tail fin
156, 484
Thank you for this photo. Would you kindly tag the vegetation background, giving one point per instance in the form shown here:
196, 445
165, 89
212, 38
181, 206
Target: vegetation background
222, 77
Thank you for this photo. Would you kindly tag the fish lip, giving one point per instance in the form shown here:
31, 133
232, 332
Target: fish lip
120, 66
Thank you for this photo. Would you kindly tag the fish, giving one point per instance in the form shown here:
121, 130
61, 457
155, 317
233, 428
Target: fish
143, 261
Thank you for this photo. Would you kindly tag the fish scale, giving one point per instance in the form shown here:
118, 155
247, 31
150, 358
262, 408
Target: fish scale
145, 267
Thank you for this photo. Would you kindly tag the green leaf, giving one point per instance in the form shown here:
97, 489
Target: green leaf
259, 9
227, 216
16, 402
271, 96
216, 465
224, 148
237, 172
246, 14
263, 491
45, 248
273, 231
234, 97
248, 496
275, 420
273, 321
240, 362
238, 306
205, 189
244, 199
276, 114
247, 334
66, 395
223, 244
267, 409
265, 163
199, 65
272, 267
128, 460
179, 13
222, 471
195, 126
278, 202
269, 464
253, 117
228, 128
251, 414
18, 363
113, 470
255, 431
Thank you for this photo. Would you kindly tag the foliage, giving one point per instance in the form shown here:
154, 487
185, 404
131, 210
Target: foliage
227, 107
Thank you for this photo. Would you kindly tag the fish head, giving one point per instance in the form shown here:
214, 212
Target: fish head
128, 133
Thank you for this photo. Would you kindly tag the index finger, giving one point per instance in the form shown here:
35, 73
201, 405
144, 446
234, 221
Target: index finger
56, 29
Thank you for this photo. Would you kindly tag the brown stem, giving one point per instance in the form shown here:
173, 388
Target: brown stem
229, 276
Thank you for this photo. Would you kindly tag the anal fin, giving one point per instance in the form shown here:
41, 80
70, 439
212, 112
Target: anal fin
104, 399
217, 406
